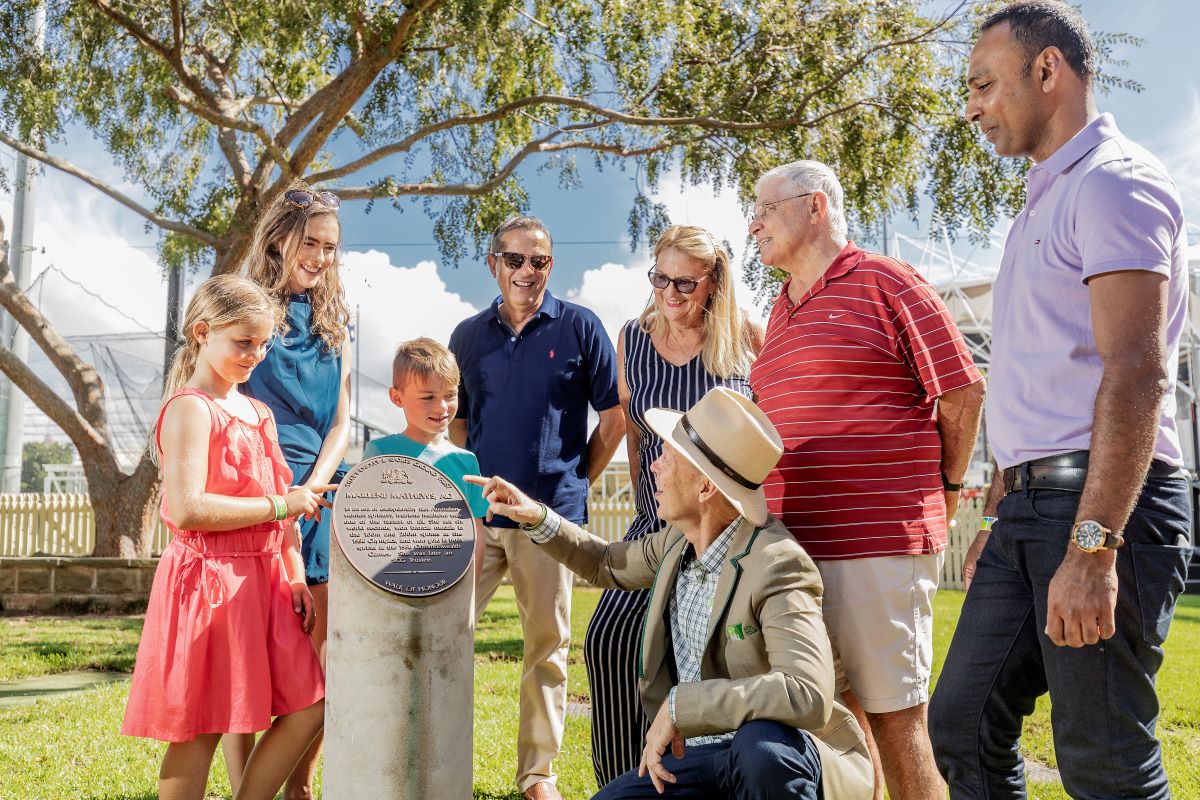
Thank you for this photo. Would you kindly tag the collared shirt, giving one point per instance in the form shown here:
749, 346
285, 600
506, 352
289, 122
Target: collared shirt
1099, 204
690, 606
525, 397
451, 461
849, 376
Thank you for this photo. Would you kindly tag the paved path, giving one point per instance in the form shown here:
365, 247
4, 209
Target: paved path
29, 690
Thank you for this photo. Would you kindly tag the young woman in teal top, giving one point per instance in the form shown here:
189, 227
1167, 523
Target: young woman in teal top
304, 379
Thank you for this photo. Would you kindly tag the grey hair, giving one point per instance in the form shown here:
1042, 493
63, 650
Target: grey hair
813, 176
522, 223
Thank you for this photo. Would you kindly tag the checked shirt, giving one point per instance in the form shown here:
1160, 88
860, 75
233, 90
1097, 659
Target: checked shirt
691, 605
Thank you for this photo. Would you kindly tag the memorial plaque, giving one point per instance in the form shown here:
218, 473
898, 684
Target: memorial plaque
404, 526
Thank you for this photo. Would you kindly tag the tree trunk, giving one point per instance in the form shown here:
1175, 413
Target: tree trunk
126, 509
234, 246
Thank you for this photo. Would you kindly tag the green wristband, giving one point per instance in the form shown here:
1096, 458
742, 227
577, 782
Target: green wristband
280, 506
545, 513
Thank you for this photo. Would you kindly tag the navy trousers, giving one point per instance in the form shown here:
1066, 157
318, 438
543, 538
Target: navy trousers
765, 760
1103, 701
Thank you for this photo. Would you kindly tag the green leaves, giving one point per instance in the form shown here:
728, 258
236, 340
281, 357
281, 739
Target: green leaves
209, 106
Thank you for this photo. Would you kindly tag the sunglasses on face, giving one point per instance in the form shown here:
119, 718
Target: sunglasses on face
302, 198
684, 285
517, 260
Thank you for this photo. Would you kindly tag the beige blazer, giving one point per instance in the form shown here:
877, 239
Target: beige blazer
768, 654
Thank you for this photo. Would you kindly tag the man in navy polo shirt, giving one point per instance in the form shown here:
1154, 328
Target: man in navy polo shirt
531, 365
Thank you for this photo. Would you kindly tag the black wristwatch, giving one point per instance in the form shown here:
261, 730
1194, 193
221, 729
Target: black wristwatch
950, 487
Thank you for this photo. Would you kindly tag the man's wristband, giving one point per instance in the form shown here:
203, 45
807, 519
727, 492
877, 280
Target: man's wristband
986, 523
279, 505
950, 487
525, 526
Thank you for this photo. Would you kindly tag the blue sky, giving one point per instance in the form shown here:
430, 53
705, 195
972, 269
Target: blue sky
589, 223
393, 270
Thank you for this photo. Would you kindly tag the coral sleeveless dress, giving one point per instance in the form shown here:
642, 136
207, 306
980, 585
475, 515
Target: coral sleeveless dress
222, 651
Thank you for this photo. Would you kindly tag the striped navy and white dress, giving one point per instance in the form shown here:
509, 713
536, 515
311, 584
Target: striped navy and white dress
619, 724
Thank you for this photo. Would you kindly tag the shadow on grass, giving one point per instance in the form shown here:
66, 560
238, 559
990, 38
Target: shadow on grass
481, 794
29, 690
500, 649
78, 658
500, 612
142, 796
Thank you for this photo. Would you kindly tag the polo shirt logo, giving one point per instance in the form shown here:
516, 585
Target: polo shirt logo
552, 354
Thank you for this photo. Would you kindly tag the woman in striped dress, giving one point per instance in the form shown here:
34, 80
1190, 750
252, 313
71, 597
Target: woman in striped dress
691, 337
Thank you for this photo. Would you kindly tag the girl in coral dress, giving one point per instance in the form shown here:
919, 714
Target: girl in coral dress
224, 648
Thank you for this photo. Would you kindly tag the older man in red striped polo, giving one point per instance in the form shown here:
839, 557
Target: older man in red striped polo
878, 402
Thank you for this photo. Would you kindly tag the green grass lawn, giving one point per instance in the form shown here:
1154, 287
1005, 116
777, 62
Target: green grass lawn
68, 748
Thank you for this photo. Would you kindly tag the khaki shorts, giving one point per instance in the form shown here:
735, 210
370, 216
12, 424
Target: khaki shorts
879, 612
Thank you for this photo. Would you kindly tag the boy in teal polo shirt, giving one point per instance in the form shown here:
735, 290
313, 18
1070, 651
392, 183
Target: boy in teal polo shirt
425, 384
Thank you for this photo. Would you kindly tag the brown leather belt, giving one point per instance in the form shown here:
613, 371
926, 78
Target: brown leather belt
1068, 471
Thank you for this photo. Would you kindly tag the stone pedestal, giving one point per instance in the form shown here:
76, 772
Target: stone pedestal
399, 690
399, 678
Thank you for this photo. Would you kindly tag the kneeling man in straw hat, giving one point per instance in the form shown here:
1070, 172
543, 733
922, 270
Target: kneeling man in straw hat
735, 666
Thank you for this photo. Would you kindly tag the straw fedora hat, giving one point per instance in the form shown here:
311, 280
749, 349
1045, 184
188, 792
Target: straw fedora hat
730, 440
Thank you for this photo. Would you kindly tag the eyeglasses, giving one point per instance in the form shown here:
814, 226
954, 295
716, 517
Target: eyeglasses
517, 260
302, 198
684, 285
764, 210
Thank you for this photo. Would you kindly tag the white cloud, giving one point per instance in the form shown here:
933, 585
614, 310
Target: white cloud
394, 304
722, 214
76, 243
1179, 150
616, 293
89, 258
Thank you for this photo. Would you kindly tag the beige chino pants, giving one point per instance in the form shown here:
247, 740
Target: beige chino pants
543, 590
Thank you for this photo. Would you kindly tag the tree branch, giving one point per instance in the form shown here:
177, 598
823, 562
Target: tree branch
543, 145
354, 82
168, 224
611, 115
221, 120
837, 77
86, 438
88, 423
134, 28
173, 55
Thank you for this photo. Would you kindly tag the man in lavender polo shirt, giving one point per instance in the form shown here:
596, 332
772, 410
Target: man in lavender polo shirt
1073, 590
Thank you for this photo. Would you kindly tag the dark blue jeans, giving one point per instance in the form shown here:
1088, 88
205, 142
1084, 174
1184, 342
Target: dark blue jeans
765, 760
1103, 702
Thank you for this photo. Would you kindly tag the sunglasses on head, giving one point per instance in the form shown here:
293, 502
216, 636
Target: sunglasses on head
517, 260
302, 198
684, 285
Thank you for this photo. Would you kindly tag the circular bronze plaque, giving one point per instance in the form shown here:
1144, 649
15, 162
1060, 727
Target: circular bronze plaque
404, 526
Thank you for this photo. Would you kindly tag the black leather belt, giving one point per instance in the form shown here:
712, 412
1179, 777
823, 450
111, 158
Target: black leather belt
1067, 472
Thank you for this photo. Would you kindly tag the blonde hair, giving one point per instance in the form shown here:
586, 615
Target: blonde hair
220, 301
730, 342
423, 358
278, 235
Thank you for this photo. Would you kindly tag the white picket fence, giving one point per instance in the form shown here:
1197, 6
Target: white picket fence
63, 524
54, 524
